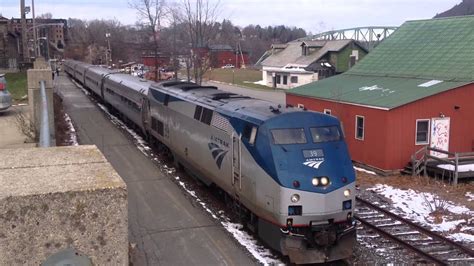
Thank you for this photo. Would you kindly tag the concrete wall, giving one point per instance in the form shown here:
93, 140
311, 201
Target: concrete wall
57, 198
34, 76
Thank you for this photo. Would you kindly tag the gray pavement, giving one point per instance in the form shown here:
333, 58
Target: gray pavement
276, 96
166, 226
10, 133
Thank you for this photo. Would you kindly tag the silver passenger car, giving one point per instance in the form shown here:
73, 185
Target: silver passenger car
5, 97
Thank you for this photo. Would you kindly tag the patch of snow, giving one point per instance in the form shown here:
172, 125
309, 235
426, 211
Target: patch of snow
71, 130
430, 83
416, 206
462, 237
376, 88
363, 170
262, 254
470, 196
461, 167
260, 82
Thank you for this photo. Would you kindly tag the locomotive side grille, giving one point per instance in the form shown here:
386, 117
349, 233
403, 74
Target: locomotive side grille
220, 122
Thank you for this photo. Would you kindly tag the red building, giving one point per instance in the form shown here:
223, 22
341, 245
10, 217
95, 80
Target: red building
151, 60
415, 89
221, 55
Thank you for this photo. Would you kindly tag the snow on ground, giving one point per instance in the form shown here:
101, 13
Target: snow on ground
363, 170
71, 130
262, 254
461, 167
260, 82
470, 196
416, 206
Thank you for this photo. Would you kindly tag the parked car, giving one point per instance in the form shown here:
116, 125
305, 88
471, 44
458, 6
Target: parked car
228, 66
5, 97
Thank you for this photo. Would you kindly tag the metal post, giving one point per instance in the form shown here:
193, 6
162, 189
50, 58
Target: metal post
456, 163
34, 29
45, 138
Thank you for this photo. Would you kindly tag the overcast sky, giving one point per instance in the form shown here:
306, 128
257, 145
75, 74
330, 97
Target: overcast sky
312, 15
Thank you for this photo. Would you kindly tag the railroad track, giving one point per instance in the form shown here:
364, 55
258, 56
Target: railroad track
430, 246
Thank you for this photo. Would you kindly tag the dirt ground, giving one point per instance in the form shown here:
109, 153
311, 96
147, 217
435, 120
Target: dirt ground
444, 190
62, 130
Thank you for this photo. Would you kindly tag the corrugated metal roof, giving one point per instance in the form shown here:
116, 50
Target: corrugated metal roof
372, 91
292, 53
430, 49
437, 54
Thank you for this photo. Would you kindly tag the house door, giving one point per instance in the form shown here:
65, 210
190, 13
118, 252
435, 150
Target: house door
236, 162
440, 135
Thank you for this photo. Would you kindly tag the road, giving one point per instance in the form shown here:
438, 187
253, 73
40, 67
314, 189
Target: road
276, 96
164, 224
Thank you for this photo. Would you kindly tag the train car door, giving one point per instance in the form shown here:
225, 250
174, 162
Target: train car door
237, 162
145, 113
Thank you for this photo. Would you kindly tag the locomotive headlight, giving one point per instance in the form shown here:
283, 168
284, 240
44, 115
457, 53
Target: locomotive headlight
347, 193
315, 181
295, 198
324, 181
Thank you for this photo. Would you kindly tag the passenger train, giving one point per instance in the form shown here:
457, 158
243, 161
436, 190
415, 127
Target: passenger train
289, 169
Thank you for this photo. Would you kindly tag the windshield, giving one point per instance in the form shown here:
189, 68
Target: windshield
288, 136
325, 134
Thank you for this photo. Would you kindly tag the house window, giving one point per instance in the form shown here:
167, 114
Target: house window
327, 111
422, 131
285, 80
359, 127
278, 79
294, 79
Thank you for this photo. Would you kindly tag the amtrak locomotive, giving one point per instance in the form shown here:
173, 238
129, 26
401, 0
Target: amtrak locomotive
289, 169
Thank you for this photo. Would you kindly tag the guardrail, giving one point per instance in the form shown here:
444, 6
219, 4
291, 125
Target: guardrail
44, 136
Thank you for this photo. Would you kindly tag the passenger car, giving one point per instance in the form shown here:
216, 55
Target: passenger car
5, 96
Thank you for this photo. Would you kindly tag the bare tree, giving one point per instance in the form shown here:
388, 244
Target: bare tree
151, 13
199, 16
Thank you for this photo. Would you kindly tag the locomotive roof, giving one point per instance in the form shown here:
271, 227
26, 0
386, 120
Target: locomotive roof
246, 108
139, 85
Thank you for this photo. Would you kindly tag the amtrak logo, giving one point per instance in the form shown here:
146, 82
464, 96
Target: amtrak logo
218, 153
314, 163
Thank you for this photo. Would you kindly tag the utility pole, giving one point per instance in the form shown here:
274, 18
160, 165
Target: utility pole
34, 29
24, 35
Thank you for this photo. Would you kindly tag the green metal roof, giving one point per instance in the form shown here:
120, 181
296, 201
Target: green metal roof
378, 92
418, 52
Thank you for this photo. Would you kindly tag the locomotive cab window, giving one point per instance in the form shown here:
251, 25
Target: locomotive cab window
250, 133
288, 136
325, 134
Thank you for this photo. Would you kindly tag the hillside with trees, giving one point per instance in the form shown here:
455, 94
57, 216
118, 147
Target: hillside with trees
466, 7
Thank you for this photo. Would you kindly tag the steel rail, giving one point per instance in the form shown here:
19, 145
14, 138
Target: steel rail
436, 236
400, 241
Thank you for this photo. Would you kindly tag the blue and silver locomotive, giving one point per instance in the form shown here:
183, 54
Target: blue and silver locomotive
289, 169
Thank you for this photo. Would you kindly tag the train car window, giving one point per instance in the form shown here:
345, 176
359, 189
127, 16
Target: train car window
206, 117
288, 136
325, 134
198, 112
167, 98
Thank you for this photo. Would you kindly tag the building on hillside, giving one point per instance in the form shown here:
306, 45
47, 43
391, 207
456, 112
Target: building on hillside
9, 46
51, 35
300, 62
415, 89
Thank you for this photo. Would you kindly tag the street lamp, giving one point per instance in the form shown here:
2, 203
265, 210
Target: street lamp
107, 36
